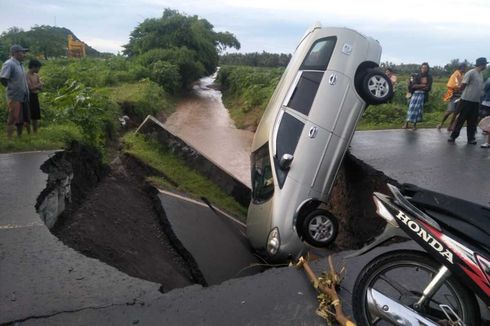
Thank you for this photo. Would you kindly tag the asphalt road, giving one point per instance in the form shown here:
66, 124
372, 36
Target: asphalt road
425, 158
216, 240
39, 275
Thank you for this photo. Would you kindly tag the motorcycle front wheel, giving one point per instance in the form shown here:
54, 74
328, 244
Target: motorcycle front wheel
402, 276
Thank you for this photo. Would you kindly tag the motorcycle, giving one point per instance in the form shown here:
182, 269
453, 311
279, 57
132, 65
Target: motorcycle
436, 286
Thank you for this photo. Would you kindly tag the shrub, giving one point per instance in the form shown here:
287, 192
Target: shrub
166, 75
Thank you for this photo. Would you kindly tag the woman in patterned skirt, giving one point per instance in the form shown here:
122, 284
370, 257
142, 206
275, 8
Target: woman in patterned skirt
420, 89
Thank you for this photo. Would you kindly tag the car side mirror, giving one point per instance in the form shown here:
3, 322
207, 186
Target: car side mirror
285, 161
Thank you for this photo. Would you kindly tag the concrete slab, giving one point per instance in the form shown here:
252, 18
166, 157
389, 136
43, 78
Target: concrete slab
425, 158
217, 242
39, 275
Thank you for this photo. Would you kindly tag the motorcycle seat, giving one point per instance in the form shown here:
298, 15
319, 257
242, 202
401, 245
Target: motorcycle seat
470, 219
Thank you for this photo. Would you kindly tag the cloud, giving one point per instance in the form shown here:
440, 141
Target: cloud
410, 31
104, 45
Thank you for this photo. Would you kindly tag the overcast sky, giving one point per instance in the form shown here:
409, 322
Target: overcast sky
409, 31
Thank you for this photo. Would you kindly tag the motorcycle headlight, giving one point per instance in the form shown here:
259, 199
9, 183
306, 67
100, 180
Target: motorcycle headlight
273, 242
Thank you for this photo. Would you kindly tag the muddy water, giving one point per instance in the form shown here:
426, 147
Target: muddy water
202, 121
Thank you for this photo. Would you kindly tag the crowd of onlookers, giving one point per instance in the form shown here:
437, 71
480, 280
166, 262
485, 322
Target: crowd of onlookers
468, 98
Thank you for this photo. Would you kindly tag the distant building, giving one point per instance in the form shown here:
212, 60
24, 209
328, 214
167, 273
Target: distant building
76, 49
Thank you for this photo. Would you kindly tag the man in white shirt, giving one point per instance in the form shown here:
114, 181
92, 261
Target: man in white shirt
472, 87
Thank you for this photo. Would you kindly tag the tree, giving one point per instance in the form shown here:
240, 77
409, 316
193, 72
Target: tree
187, 36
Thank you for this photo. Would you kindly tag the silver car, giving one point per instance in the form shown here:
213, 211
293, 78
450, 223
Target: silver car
303, 136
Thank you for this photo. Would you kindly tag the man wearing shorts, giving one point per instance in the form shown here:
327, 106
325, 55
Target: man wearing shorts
13, 77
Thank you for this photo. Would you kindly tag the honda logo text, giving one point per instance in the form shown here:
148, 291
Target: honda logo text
427, 237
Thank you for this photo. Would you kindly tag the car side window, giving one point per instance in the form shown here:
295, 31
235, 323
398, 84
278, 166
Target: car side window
262, 180
305, 91
319, 55
288, 134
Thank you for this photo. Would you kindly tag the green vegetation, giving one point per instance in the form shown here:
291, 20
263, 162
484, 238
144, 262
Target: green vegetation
255, 59
50, 137
85, 98
246, 92
188, 180
392, 115
176, 42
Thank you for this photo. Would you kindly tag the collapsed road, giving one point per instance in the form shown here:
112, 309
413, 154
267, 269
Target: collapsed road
66, 288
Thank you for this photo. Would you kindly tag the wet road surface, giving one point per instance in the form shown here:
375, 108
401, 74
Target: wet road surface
426, 159
217, 242
202, 121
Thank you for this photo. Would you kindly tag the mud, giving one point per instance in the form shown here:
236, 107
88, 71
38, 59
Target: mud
115, 216
351, 202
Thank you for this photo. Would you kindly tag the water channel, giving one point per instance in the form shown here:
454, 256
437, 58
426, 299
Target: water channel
203, 122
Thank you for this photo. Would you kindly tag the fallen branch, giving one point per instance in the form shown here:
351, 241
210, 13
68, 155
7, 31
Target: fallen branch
326, 285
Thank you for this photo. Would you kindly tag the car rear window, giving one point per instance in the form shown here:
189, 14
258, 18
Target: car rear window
319, 55
305, 91
288, 134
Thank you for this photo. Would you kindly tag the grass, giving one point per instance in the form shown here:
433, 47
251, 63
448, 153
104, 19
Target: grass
189, 181
142, 98
47, 138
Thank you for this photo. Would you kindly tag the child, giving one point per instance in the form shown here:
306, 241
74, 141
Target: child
35, 85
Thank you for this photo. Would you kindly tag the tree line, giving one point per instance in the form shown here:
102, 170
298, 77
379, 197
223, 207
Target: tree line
44, 42
256, 59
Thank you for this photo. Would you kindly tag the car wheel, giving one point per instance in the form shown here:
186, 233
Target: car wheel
320, 228
376, 87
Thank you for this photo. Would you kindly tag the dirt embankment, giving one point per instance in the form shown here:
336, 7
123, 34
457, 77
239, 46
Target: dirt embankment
351, 202
113, 217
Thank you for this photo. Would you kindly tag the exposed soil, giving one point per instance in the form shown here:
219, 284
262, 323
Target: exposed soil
116, 217
117, 222
351, 202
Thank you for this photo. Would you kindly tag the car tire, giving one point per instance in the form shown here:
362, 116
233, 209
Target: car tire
376, 87
319, 228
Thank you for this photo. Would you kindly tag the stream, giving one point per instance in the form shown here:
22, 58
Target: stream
203, 122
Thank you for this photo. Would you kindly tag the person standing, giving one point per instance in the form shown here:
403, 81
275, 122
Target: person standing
453, 95
485, 104
420, 88
13, 77
472, 87
35, 85
392, 76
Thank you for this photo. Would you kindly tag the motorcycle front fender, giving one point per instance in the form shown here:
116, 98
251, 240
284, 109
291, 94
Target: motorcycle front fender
388, 233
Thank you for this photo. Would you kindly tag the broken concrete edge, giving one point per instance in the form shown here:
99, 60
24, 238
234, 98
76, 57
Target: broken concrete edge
197, 275
61, 170
151, 127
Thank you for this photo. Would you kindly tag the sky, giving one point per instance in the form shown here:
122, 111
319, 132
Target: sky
412, 31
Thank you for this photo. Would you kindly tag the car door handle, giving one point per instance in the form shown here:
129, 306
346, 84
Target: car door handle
332, 80
313, 131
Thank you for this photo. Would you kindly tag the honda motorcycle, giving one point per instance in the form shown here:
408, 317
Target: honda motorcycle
436, 286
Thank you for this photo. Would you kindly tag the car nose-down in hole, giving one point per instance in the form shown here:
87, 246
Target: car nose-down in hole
303, 136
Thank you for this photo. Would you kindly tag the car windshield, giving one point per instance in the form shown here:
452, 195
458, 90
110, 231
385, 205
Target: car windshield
262, 180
